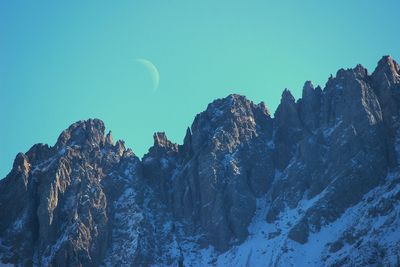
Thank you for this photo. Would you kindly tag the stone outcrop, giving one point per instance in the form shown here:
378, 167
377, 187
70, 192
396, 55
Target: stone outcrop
63, 218
229, 157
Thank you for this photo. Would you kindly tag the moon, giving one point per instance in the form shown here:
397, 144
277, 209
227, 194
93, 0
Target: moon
152, 69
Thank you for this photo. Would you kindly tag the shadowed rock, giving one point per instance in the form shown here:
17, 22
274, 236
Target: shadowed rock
87, 201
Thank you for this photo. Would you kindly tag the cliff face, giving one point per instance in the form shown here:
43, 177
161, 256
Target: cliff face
63, 204
318, 184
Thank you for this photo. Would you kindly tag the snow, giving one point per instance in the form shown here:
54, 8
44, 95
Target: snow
230, 163
51, 250
328, 131
125, 231
62, 151
148, 160
164, 163
217, 112
339, 87
268, 243
271, 144
18, 224
45, 165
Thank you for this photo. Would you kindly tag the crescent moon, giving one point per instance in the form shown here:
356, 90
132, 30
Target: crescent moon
151, 68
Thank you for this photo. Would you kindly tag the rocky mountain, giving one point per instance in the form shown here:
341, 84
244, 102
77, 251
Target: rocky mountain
317, 184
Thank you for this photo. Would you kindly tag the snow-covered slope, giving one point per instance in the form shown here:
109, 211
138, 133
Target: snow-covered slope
367, 234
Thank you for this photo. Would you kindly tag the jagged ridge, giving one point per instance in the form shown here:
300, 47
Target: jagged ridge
287, 181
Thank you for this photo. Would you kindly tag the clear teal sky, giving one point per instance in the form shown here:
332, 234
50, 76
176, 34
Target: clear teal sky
63, 62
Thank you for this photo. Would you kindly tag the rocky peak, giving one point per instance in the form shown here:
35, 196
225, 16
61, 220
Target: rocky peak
358, 72
288, 129
38, 152
242, 108
232, 119
231, 107
21, 168
287, 97
109, 139
387, 71
310, 93
310, 106
386, 84
83, 133
385, 80
162, 144
308, 89
187, 143
120, 147
21, 163
159, 163
264, 108
161, 149
231, 132
286, 115
350, 98
160, 140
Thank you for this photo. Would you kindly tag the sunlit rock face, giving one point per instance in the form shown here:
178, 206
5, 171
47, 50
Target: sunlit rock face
318, 184
65, 210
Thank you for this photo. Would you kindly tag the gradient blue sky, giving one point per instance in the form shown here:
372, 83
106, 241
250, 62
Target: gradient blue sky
63, 61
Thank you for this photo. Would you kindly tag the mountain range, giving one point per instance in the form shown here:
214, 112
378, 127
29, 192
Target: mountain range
317, 184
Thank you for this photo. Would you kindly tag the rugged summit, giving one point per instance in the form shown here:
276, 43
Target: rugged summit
318, 184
